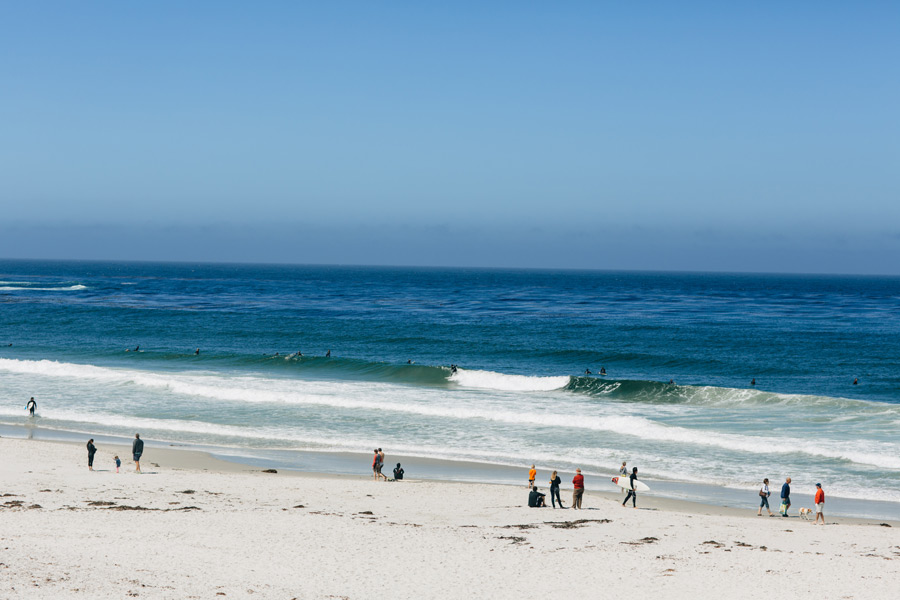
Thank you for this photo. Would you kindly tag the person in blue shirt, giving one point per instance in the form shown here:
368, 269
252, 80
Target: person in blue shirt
785, 497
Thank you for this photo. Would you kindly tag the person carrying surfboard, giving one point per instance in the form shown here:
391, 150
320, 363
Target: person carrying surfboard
632, 493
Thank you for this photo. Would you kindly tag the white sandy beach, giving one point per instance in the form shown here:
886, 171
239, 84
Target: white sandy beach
196, 527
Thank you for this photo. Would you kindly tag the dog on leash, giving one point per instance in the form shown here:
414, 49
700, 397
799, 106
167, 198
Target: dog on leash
806, 513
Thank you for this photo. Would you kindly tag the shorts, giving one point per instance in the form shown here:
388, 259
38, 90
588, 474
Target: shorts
763, 502
819, 507
137, 457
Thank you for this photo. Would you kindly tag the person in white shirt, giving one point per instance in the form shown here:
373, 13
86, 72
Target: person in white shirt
764, 494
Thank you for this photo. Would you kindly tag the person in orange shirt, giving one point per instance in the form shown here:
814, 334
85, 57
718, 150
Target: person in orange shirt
532, 475
820, 503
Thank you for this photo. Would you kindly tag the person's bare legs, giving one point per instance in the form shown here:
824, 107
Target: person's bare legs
137, 466
819, 514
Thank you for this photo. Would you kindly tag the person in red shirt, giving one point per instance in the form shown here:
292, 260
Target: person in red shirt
578, 492
820, 503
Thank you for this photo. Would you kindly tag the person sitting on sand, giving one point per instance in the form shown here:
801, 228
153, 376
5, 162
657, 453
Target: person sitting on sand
536, 499
137, 449
398, 473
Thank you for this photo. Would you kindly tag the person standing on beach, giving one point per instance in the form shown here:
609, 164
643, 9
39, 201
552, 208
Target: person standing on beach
31, 406
764, 494
578, 492
632, 493
118, 462
623, 470
137, 449
820, 503
555, 482
532, 475
92, 450
381, 463
785, 497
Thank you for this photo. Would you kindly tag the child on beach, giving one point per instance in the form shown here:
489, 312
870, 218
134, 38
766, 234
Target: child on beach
532, 475
118, 463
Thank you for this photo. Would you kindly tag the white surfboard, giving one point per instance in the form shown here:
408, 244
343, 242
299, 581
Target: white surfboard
625, 483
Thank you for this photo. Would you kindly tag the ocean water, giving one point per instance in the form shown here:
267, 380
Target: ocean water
522, 340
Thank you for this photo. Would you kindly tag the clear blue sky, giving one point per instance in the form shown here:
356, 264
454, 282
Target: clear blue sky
611, 135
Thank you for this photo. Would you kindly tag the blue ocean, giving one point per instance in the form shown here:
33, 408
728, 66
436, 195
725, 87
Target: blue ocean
112, 348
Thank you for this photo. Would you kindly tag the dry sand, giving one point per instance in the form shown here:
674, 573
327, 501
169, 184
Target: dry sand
195, 527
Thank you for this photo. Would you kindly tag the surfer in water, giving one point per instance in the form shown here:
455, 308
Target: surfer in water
602, 371
856, 381
453, 369
197, 352
587, 372
753, 381
31, 406
328, 354
632, 494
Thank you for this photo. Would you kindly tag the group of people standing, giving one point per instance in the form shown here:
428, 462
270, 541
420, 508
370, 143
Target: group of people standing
537, 499
137, 450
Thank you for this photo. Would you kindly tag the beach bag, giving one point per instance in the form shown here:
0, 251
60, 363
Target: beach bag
784, 507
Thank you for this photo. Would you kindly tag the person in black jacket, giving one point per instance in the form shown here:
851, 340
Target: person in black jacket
398, 472
92, 450
554, 490
137, 448
535, 498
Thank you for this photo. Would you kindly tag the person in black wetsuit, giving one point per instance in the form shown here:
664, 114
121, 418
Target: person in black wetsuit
92, 450
555, 481
632, 493
603, 370
535, 498
31, 406
587, 372
328, 354
398, 472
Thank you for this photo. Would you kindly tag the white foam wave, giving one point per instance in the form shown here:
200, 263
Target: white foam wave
71, 288
375, 397
490, 380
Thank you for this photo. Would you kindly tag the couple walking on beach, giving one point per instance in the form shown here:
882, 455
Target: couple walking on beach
378, 464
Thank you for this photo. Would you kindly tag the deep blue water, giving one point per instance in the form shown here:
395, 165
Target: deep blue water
522, 339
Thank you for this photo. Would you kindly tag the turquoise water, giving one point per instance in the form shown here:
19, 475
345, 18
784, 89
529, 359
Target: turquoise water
522, 340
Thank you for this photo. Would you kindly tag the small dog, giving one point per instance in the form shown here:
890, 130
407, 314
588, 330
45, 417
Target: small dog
806, 513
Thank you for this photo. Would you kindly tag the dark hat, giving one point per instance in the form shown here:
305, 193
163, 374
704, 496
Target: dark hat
818, 485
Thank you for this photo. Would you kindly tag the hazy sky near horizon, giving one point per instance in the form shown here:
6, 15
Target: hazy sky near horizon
651, 135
